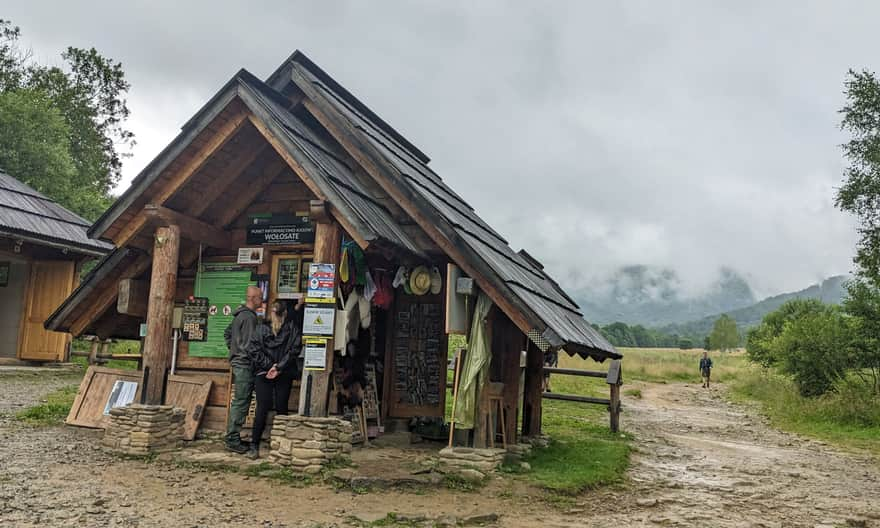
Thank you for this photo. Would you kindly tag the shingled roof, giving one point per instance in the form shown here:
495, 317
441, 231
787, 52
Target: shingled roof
515, 280
29, 215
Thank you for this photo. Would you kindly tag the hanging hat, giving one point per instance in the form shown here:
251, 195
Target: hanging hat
399, 277
420, 280
436, 281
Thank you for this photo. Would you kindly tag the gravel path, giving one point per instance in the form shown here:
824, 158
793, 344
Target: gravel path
699, 461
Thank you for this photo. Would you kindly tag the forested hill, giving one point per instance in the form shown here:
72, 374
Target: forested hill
830, 290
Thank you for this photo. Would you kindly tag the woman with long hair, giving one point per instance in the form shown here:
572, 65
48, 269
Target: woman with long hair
273, 351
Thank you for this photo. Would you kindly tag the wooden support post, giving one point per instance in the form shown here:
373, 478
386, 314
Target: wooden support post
614, 408
328, 241
163, 283
93, 351
531, 424
614, 380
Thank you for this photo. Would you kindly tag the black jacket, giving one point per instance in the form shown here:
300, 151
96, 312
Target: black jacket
238, 334
266, 349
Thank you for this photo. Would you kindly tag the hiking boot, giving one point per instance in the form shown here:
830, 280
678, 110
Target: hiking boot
253, 452
236, 448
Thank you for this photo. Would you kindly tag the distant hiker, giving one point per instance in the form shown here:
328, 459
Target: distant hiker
238, 334
273, 351
705, 369
551, 359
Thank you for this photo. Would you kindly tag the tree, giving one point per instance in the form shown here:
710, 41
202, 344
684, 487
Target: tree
88, 93
863, 305
860, 192
760, 340
724, 334
814, 349
35, 141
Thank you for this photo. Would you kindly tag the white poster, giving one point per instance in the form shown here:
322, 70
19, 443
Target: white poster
121, 395
250, 256
315, 352
318, 320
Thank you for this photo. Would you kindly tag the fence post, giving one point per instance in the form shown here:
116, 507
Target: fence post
614, 381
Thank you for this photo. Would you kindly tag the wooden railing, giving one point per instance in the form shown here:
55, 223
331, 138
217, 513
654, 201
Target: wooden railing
613, 378
99, 353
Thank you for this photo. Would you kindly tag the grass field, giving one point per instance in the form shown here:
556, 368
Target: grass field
53, 410
851, 420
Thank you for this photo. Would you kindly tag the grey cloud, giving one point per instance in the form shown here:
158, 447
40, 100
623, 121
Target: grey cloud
692, 135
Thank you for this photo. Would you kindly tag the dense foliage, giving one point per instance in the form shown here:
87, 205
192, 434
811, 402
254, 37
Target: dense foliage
624, 335
823, 347
860, 192
725, 335
63, 127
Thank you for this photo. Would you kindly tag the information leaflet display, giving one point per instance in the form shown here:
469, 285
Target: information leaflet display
195, 319
322, 280
318, 320
315, 352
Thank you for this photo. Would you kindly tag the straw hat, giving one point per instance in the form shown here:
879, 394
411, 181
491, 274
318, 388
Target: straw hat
420, 280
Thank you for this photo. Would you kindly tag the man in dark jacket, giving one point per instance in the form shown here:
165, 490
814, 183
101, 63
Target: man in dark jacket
238, 334
705, 369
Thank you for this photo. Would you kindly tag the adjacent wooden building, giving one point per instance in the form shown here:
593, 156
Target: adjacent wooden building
42, 247
299, 153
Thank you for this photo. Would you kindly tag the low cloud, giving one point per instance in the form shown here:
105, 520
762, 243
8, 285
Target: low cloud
687, 135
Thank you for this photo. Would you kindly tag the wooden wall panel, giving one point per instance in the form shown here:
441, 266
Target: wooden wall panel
190, 393
94, 390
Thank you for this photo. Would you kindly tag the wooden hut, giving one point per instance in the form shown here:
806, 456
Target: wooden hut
272, 175
42, 247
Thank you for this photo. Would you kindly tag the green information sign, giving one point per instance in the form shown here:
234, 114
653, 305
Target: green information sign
225, 290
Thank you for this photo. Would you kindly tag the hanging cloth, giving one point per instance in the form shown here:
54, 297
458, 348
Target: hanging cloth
343, 264
358, 262
476, 364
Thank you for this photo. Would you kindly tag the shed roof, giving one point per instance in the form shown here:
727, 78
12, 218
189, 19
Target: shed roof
26, 213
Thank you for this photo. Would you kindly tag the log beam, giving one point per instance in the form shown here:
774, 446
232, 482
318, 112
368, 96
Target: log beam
328, 240
532, 391
133, 297
163, 284
190, 227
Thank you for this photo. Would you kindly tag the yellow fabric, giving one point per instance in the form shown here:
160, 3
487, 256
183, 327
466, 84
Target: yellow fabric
343, 266
475, 367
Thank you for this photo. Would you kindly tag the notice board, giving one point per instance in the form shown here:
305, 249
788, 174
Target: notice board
225, 290
416, 368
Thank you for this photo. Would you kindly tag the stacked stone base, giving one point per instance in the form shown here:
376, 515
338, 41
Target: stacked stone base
471, 463
143, 429
306, 444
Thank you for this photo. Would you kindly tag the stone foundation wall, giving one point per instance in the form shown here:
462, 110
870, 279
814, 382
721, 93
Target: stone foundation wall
483, 460
305, 444
142, 429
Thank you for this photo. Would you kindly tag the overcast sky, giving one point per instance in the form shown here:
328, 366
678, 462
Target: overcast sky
691, 135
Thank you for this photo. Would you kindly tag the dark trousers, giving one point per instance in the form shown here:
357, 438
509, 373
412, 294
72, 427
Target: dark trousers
271, 394
243, 379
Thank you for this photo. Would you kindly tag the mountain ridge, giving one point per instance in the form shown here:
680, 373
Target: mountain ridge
830, 290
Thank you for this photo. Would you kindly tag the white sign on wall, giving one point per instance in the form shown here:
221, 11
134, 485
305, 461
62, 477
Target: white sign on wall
318, 320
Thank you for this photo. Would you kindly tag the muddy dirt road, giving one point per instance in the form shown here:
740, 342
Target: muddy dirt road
699, 462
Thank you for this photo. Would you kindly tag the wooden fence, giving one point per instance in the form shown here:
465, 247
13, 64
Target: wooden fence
613, 378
